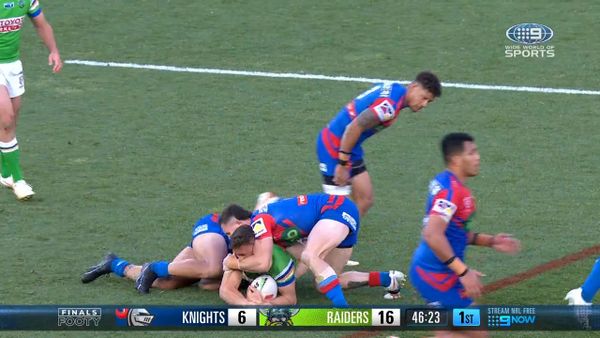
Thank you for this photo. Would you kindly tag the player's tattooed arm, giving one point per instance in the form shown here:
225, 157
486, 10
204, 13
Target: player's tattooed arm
367, 119
363, 121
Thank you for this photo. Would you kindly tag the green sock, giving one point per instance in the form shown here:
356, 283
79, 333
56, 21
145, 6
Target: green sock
12, 163
4, 172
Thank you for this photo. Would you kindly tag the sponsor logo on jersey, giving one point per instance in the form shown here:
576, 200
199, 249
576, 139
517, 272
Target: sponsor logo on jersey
434, 187
444, 208
302, 200
350, 220
259, 227
9, 5
384, 110
200, 228
11, 24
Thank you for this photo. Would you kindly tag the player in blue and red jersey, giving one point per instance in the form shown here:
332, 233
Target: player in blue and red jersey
438, 271
327, 222
330, 225
339, 144
201, 260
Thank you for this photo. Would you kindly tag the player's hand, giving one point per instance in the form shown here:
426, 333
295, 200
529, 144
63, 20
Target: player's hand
341, 175
506, 243
254, 297
55, 61
472, 283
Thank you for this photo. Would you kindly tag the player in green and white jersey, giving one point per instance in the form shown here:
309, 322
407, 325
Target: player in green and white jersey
12, 85
282, 270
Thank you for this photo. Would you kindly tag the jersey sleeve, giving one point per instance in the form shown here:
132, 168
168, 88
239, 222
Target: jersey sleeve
445, 205
34, 8
283, 267
386, 106
262, 225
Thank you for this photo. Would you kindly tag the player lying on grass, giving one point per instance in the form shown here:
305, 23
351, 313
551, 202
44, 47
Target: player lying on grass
330, 225
438, 269
282, 270
201, 260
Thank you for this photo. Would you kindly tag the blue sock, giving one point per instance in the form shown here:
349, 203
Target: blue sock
118, 267
160, 268
592, 283
333, 290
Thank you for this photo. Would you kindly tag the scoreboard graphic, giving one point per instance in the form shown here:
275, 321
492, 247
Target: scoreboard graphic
399, 318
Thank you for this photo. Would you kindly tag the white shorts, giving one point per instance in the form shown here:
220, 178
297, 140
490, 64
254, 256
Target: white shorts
11, 77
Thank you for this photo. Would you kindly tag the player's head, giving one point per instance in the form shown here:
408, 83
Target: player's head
233, 216
242, 241
423, 90
460, 153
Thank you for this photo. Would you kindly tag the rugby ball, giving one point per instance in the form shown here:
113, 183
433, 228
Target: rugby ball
266, 286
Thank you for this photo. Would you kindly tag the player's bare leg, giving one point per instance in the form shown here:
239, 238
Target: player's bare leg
296, 251
210, 284
324, 236
362, 192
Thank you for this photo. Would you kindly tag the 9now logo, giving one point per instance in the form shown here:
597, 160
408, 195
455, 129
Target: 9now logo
529, 33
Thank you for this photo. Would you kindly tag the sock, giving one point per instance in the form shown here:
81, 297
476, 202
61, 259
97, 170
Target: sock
333, 290
379, 278
4, 172
161, 269
592, 283
10, 159
118, 267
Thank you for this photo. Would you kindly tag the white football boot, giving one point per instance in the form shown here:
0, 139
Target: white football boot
7, 182
352, 263
574, 297
22, 190
397, 282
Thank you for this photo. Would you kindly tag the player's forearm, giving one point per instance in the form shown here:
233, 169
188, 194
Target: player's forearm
349, 139
480, 239
232, 297
46, 33
287, 296
255, 263
441, 248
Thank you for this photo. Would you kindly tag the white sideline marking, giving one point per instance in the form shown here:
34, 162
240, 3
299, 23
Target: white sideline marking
327, 77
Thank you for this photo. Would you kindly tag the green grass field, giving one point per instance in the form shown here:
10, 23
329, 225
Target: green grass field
126, 159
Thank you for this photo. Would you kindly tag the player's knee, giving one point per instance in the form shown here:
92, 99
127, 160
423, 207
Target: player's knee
364, 203
7, 119
166, 284
213, 271
209, 286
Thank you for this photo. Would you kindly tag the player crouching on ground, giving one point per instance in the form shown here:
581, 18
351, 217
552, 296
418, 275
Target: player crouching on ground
201, 260
282, 270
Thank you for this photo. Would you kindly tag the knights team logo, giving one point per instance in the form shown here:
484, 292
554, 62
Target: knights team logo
279, 316
133, 317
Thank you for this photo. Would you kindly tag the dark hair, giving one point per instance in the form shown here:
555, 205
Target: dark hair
430, 82
454, 143
234, 210
242, 235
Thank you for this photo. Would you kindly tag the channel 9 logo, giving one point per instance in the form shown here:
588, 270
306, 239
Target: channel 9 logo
510, 320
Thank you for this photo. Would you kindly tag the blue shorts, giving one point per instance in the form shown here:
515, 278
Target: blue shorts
328, 160
438, 288
346, 213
